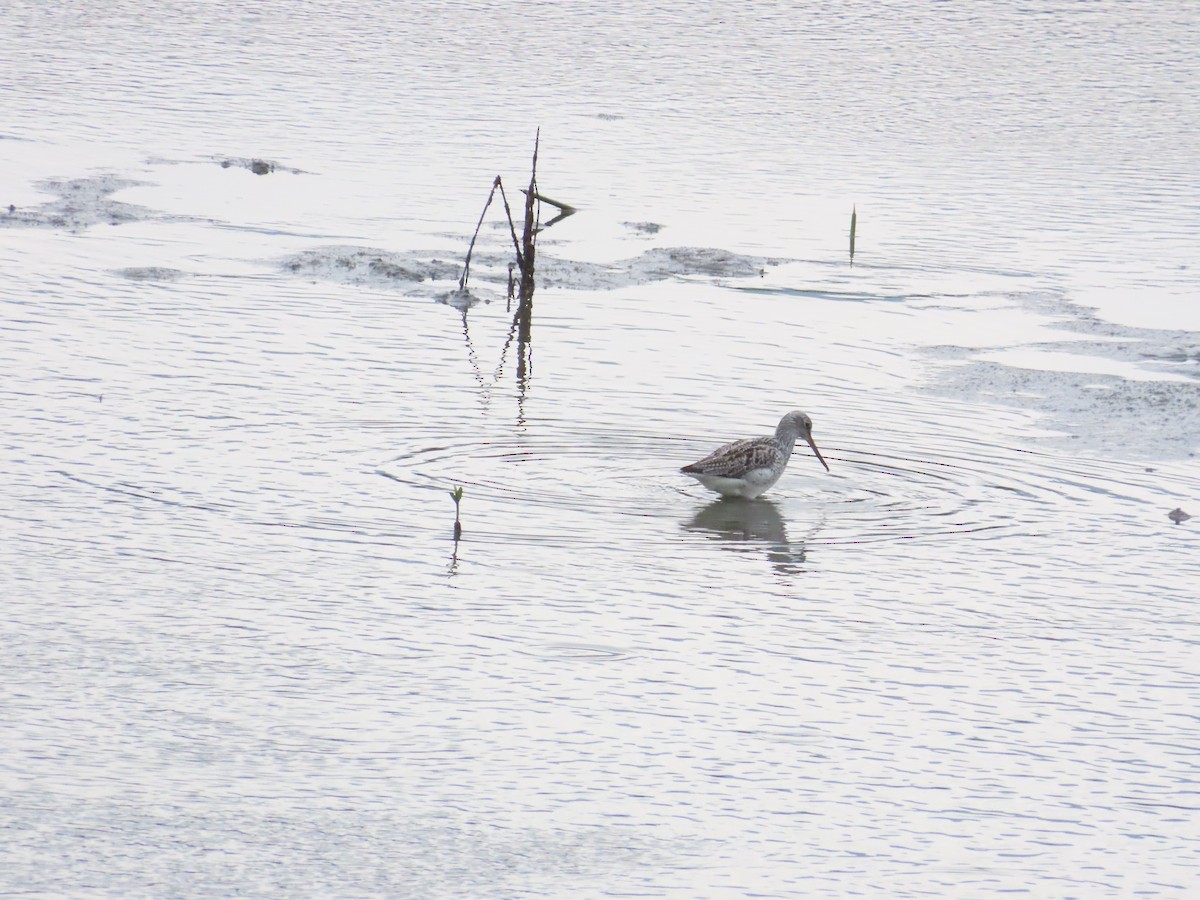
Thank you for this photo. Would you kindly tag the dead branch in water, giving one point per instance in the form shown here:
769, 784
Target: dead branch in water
498, 184
526, 252
525, 245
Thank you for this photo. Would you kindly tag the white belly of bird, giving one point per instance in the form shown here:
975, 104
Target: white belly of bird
750, 485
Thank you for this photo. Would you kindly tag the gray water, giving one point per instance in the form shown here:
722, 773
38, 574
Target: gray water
243, 653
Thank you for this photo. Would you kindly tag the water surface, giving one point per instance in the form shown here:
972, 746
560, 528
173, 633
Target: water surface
243, 651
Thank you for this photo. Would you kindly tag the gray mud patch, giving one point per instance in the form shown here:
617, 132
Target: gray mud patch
255, 165
1097, 413
80, 204
647, 229
365, 267
421, 274
151, 273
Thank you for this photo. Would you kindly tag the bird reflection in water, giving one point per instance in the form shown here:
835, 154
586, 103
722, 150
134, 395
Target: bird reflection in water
745, 526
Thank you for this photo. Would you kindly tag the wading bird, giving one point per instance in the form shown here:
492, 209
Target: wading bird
749, 467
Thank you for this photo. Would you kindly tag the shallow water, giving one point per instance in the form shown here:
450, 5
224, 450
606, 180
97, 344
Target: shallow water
243, 651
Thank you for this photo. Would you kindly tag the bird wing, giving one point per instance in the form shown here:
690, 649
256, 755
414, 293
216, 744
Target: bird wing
736, 459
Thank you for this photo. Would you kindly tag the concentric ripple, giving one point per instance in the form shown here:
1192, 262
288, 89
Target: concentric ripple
603, 486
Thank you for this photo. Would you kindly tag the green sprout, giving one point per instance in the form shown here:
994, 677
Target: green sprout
456, 495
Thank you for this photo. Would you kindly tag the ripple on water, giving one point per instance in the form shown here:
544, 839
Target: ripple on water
579, 653
589, 487
605, 487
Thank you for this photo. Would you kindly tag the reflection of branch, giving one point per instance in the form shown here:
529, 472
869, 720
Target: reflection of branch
472, 356
521, 329
524, 322
512, 330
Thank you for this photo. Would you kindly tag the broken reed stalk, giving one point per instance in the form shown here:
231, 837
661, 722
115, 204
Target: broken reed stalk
853, 228
525, 259
564, 209
526, 251
526, 255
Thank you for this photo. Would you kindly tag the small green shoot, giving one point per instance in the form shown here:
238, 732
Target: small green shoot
456, 495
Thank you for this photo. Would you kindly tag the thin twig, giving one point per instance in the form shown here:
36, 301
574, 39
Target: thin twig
511, 227
462, 282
